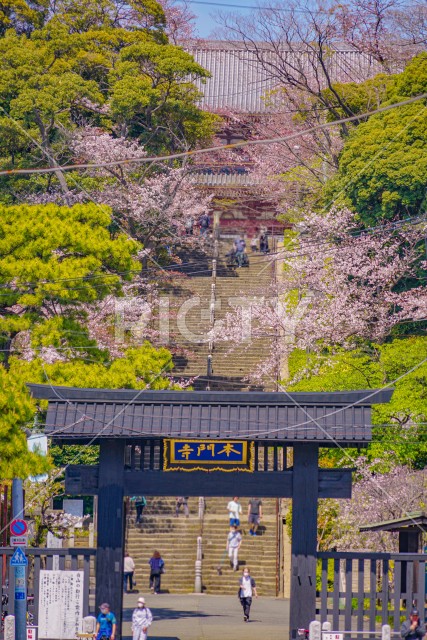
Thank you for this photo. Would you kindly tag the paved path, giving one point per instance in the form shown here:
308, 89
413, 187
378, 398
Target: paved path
203, 617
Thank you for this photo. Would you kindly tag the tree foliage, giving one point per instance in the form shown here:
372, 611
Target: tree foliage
377, 498
339, 287
104, 64
17, 410
56, 264
400, 426
54, 261
383, 166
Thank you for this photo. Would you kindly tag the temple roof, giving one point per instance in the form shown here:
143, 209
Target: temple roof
417, 519
240, 82
325, 418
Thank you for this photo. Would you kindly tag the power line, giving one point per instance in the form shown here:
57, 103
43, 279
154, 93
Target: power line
175, 268
303, 425
248, 6
234, 145
259, 7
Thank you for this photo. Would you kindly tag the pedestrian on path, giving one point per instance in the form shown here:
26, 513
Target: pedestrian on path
413, 629
140, 504
106, 623
254, 515
157, 567
182, 502
263, 243
247, 589
204, 224
234, 540
254, 243
128, 571
234, 510
189, 226
141, 620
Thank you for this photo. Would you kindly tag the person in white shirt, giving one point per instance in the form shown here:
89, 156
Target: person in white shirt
141, 620
234, 540
128, 571
234, 510
246, 591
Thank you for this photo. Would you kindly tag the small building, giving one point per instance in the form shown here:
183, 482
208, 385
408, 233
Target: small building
410, 529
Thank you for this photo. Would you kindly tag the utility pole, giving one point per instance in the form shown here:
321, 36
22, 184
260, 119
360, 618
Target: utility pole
20, 587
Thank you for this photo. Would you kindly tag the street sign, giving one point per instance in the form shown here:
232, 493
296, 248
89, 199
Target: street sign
20, 582
31, 633
18, 558
18, 541
18, 527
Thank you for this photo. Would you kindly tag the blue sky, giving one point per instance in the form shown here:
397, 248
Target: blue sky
205, 14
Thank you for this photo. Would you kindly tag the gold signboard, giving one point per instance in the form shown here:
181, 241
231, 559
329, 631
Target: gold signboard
208, 455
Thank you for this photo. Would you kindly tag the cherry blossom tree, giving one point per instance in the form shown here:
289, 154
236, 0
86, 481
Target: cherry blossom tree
338, 285
383, 29
155, 205
377, 497
179, 21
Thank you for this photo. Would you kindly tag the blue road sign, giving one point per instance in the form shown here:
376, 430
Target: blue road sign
18, 527
18, 558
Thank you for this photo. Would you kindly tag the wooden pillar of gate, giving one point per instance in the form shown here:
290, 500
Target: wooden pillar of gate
305, 493
110, 529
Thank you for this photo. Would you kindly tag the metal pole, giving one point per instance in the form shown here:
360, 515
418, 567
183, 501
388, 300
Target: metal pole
20, 587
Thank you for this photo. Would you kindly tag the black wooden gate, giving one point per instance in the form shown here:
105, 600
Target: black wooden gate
133, 428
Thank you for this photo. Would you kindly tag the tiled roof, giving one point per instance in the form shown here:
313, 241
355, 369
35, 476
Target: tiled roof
239, 81
225, 179
325, 418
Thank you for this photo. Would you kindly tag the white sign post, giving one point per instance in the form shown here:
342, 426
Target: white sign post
54, 543
60, 604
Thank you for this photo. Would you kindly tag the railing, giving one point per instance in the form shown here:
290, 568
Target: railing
318, 631
364, 590
75, 559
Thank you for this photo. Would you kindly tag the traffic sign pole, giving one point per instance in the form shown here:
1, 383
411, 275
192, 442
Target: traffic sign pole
20, 585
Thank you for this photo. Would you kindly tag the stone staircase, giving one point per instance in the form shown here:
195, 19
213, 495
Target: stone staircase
259, 553
176, 539
190, 297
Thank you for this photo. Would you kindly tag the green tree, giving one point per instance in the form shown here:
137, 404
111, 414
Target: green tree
400, 426
22, 15
54, 263
88, 66
383, 166
140, 368
16, 411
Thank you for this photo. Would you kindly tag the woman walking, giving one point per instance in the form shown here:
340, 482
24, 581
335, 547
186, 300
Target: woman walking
246, 591
141, 620
156, 569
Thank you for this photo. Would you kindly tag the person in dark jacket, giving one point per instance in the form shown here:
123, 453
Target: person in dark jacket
182, 502
156, 569
140, 504
414, 628
263, 243
204, 224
